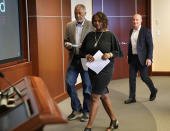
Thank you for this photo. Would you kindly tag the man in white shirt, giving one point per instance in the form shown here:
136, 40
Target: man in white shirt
140, 53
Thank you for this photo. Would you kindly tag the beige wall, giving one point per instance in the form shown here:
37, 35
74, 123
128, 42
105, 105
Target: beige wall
161, 35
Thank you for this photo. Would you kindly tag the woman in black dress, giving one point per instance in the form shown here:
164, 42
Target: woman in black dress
105, 41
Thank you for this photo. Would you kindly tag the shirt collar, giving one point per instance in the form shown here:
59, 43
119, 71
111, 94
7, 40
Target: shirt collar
80, 24
137, 29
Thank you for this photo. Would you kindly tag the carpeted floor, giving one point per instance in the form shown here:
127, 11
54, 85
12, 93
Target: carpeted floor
143, 115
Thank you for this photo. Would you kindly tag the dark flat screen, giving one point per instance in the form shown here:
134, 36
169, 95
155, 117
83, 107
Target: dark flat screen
10, 31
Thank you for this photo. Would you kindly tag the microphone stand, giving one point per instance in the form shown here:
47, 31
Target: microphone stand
6, 102
14, 88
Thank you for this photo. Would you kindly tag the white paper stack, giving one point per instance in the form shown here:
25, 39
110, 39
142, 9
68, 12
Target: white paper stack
98, 64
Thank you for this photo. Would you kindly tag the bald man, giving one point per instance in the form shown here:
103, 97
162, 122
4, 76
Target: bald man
140, 52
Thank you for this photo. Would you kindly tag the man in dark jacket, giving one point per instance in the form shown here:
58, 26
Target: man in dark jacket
140, 52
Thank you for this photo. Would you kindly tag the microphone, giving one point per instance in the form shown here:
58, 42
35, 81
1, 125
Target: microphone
6, 102
2, 75
9, 83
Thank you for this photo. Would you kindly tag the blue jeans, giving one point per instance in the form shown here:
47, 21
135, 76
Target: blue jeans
71, 77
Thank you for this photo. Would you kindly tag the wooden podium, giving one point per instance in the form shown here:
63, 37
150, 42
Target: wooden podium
34, 110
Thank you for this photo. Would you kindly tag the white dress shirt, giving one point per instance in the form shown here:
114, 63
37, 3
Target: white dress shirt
79, 28
134, 39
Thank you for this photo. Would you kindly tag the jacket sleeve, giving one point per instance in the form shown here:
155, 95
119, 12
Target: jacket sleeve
129, 44
83, 51
149, 44
116, 49
67, 37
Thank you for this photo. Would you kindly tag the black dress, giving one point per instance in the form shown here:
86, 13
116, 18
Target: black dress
107, 43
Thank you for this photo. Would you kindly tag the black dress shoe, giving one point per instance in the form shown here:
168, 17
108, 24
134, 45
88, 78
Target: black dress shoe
130, 100
153, 95
87, 129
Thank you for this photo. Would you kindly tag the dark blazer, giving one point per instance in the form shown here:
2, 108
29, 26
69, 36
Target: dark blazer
144, 46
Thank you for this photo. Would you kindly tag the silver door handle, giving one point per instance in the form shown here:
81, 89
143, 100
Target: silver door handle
123, 43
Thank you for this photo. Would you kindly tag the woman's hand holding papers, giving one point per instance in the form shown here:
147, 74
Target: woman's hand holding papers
89, 58
106, 56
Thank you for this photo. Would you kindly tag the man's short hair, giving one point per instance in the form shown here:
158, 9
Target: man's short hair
81, 5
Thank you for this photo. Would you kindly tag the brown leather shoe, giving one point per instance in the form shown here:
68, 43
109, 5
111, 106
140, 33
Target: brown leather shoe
130, 100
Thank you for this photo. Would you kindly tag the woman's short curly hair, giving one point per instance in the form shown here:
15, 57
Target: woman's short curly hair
102, 17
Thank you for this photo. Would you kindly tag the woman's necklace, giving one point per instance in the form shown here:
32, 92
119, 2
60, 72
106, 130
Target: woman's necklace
97, 40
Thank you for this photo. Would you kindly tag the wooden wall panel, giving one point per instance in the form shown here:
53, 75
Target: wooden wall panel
144, 10
144, 21
142, 7
48, 7
47, 27
50, 53
31, 7
97, 6
14, 73
119, 7
121, 30
33, 44
66, 8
